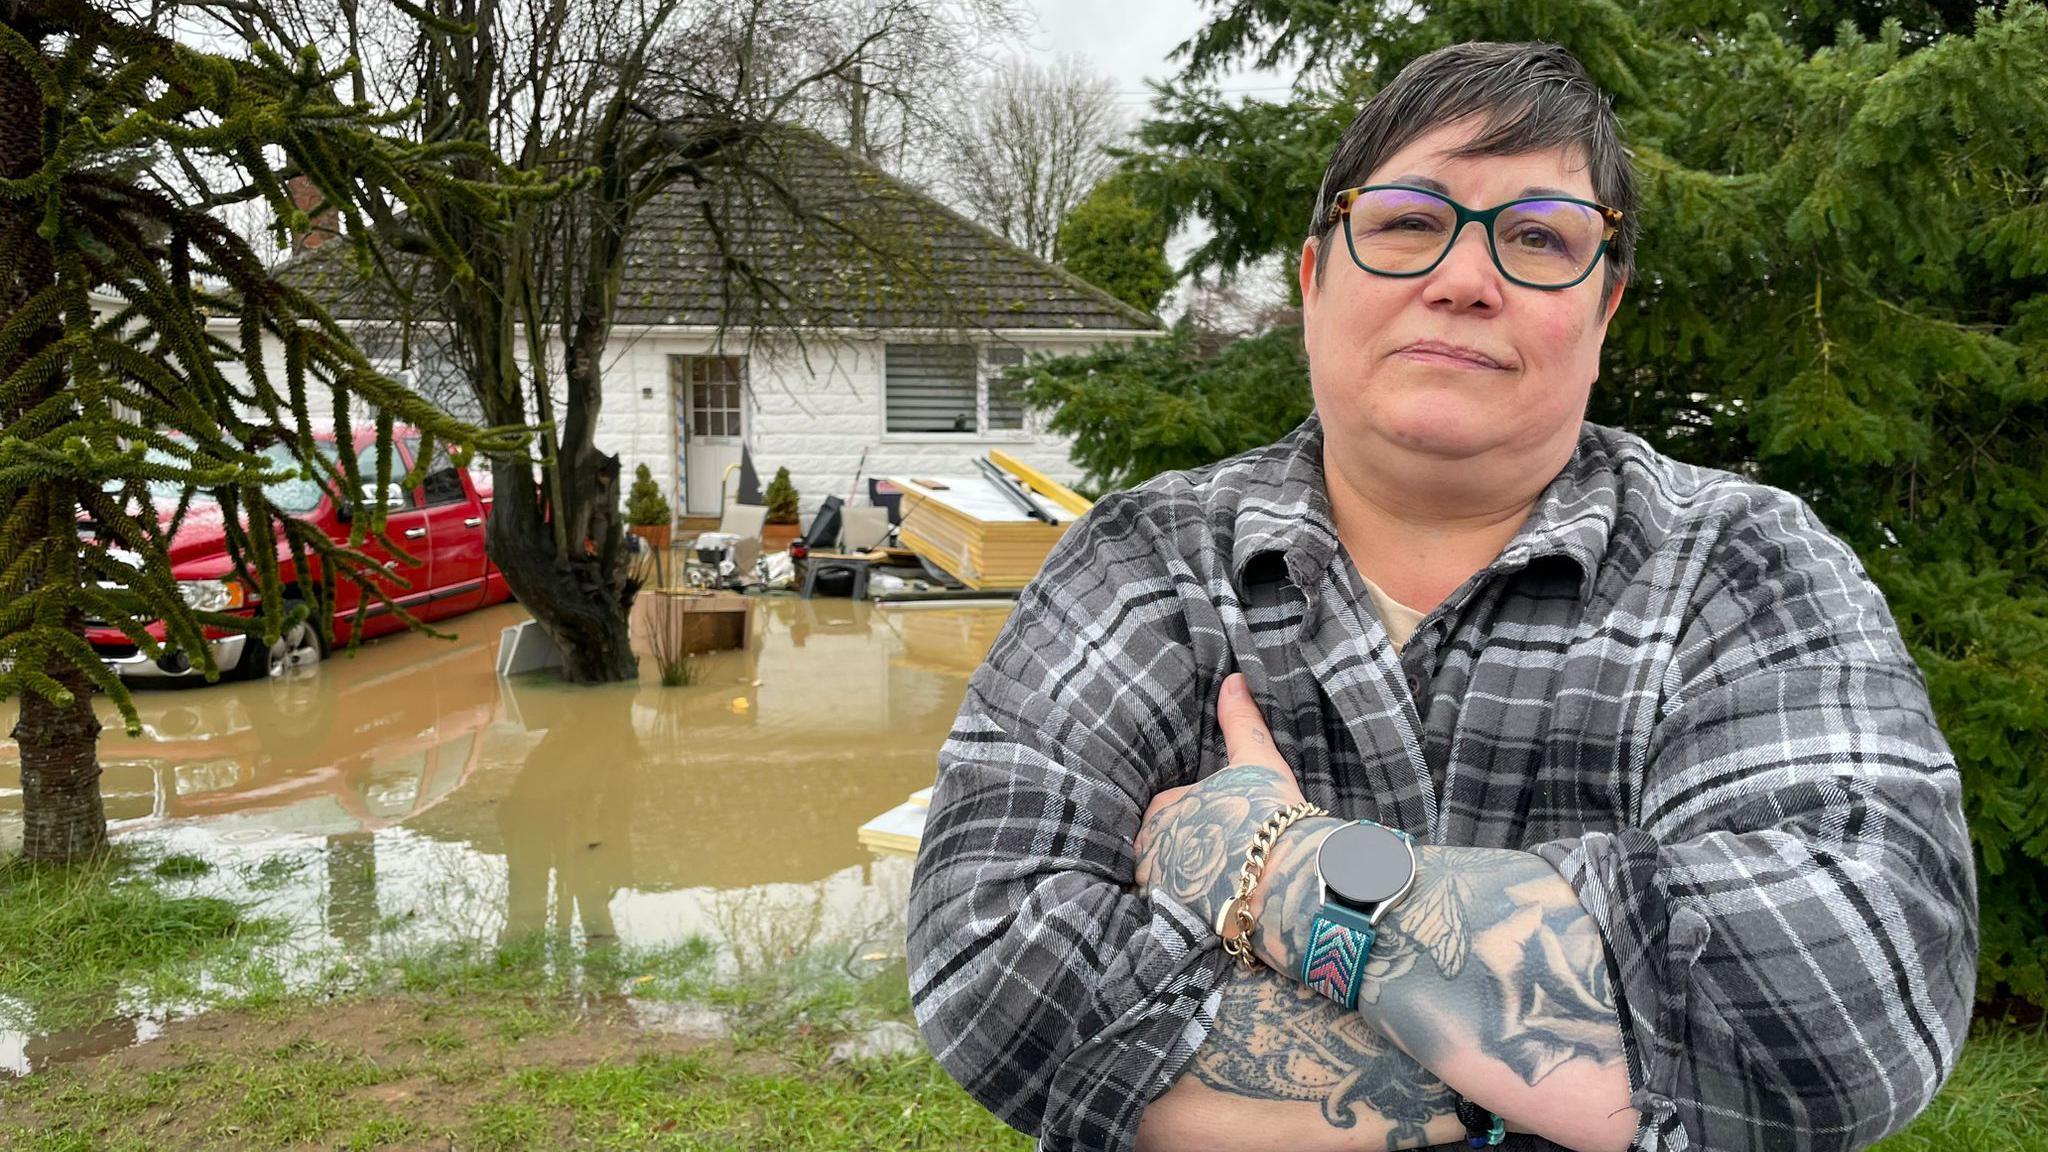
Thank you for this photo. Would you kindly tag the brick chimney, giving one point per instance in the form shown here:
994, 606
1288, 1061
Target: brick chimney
326, 226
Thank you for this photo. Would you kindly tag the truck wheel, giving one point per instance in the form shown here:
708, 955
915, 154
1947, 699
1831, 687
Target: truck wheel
299, 646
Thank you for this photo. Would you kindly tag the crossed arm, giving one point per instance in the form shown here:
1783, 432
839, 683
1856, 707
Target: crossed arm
1487, 978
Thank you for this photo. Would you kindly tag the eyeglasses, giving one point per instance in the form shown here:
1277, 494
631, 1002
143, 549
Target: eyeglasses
1547, 242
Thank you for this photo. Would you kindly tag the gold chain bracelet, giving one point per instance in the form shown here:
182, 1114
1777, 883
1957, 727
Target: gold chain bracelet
1239, 907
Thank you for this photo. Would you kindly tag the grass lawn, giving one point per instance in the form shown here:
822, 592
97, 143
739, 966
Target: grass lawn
74, 940
428, 1070
529, 1047
536, 1045
1997, 1099
541, 1046
483, 1067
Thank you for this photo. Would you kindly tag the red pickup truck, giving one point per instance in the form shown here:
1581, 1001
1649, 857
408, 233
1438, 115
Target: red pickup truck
441, 523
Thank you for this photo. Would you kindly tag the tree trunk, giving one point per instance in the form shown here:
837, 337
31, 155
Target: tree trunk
586, 619
60, 774
581, 599
60, 771
566, 566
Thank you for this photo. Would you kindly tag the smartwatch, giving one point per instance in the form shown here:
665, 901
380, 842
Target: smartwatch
1362, 869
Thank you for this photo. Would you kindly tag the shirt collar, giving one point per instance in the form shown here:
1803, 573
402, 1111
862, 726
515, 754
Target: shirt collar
1284, 508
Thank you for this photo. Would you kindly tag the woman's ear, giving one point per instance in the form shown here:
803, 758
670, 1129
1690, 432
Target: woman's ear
1613, 301
1305, 276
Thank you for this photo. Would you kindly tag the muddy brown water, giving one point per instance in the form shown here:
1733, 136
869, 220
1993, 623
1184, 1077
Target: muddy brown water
408, 795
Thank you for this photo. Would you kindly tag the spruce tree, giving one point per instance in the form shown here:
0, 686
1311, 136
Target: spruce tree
1841, 290
645, 505
782, 498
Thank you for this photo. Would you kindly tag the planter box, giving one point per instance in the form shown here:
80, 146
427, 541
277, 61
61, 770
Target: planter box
777, 537
656, 535
707, 621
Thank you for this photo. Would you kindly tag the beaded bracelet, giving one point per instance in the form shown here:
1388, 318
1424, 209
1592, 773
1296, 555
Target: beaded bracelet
1483, 1129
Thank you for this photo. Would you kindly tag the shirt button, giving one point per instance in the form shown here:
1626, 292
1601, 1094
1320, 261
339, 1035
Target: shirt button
1414, 684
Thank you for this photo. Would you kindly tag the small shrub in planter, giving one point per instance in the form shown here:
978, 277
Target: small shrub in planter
782, 499
646, 509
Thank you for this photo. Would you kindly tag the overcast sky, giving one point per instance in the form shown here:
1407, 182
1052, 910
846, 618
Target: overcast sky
1128, 40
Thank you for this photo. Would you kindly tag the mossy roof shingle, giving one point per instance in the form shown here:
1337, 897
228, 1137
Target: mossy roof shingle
851, 245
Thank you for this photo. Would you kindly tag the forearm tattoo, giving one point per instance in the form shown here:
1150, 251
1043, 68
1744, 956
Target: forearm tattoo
1490, 949
1495, 941
1275, 1039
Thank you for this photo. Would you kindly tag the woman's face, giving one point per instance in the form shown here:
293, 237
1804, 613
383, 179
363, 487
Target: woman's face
1375, 389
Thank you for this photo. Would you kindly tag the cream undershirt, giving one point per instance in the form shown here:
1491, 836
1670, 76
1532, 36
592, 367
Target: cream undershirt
1400, 620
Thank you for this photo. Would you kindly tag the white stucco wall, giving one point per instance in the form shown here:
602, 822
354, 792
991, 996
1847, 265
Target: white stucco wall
814, 410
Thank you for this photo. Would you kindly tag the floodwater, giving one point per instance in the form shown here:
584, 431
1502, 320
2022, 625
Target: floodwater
407, 795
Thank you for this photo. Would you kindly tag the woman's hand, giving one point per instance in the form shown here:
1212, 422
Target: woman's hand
1194, 838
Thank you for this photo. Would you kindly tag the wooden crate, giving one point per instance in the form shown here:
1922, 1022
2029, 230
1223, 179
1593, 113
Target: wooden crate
711, 621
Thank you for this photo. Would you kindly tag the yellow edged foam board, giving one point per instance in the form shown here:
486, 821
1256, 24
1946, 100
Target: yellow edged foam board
966, 526
896, 832
1042, 484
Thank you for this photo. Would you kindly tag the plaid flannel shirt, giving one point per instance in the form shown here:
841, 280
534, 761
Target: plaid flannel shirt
1673, 684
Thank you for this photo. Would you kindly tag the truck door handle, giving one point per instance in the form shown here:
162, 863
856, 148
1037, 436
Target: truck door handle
472, 521
415, 533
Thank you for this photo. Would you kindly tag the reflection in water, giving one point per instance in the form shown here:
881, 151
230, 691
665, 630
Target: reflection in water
407, 796
563, 820
22, 1053
351, 859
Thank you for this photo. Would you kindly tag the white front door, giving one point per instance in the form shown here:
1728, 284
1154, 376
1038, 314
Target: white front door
710, 410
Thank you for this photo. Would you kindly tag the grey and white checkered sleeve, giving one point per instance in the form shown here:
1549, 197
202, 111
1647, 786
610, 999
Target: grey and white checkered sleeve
1791, 910
1054, 992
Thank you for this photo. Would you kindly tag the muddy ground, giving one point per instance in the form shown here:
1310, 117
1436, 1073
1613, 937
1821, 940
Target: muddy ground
459, 1071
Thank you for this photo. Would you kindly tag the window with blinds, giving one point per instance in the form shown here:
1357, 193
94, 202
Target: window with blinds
930, 388
951, 388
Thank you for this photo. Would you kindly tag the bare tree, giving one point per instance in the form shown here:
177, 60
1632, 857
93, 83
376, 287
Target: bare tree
582, 116
1030, 145
1255, 300
894, 104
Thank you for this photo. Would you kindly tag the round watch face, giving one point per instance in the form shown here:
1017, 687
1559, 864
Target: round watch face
1363, 864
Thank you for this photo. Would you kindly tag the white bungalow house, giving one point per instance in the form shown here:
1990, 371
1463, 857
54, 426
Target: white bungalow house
882, 377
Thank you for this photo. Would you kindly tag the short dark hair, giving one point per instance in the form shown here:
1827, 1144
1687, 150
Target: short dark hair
1534, 96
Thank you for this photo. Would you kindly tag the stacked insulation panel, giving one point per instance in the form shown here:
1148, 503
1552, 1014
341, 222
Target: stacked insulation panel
898, 831
968, 527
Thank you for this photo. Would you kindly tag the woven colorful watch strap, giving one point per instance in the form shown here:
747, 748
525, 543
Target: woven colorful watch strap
1338, 942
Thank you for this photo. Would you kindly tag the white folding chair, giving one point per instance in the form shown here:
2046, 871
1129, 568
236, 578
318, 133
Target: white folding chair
744, 521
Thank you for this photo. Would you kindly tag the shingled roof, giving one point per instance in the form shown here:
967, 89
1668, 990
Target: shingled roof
851, 245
